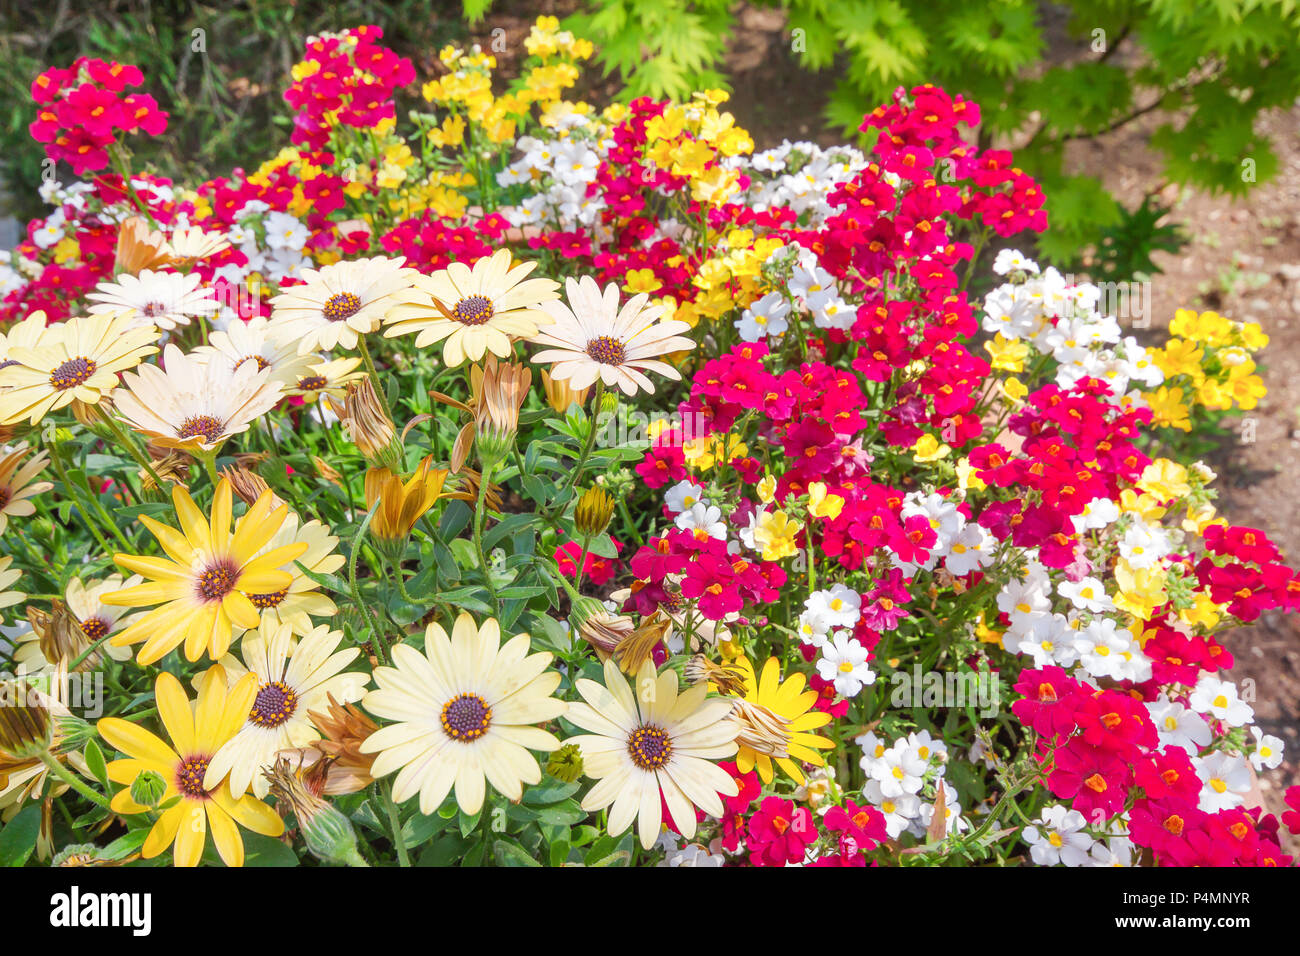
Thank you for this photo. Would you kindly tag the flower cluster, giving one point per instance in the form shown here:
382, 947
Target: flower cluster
84, 107
610, 488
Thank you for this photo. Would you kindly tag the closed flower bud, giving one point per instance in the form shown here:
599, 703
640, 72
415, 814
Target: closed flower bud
566, 763
499, 392
61, 636
148, 788
325, 471
248, 485
584, 609
26, 727
605, 631
366, 425
592, 513
560, 395
325, 829
92, 415
728, 680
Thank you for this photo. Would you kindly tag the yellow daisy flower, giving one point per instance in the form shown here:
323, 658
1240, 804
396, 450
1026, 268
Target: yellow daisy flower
197, 730
202, 586
790, 703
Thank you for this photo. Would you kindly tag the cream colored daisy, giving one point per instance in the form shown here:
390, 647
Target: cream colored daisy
250, 342
98, 619
291, 680
464, 711
294, 606
652, 741
187, 246
16, 485
475, 310
163, 299
75, 360
592, 338
335, 304
195, 402
8, 578
325, 378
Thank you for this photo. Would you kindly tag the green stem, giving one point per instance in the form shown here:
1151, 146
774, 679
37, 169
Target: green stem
480, 513
92, 525
581, 463
66, 775
582, 563
395, 823
209, 459
125, 441
87, 652
371, 623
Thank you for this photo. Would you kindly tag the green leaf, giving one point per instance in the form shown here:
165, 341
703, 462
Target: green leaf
262, 850
545, 794
95, 762
420, 829
18, 838
507, 852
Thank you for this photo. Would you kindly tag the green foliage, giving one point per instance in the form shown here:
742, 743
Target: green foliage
1207, 69
223, 85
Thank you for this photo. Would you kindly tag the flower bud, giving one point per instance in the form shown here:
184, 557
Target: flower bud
148, 788
560, 395
26, 728
325, 829
566, 763
247, 485
365, 423
592, 513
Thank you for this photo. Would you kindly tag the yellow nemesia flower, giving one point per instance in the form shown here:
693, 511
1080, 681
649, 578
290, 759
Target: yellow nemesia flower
776, 534
821, 504
1165, 480
928, 448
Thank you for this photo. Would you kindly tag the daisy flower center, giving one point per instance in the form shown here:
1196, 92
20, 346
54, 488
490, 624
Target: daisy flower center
341, 306
72, 373
154, 309
312, 383
95, 627
204, 426
473, 310
217, 581
466, 717
649, 747
262, 363
275, 703
6, 495
607, 350
189, 776
273, 599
